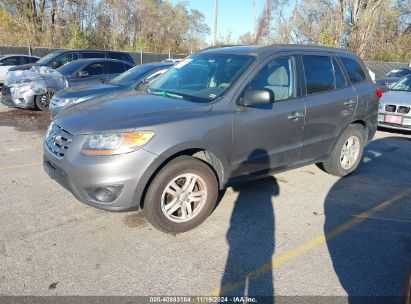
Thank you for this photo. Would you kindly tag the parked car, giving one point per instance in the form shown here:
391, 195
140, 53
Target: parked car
9, 61
127, 81
391, 78
221, 116
395, 106
58, 58
76, 73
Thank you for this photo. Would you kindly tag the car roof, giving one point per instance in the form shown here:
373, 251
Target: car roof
90, 60
86, 50
25, 55
256, 50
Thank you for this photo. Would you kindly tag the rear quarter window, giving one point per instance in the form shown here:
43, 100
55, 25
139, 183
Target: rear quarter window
354, 70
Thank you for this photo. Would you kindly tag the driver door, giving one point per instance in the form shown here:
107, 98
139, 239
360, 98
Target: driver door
269, 136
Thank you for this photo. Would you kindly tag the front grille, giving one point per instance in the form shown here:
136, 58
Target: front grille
403, 110
390, 108
58, 140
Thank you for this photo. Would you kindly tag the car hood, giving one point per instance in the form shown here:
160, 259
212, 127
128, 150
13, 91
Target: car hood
89, 91
396, 98
127, 112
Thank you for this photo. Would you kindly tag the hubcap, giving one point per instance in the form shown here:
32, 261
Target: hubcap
350, 152
45, 99
184, 197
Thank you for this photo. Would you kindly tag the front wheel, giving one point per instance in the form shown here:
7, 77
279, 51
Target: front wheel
347, 152
43, 101
181, 196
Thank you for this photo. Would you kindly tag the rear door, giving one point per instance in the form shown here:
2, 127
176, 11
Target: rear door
330, 102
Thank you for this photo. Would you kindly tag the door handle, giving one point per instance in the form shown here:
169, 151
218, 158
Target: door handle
295, 116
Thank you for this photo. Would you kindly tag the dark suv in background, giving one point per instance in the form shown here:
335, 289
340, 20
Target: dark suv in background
219, 117
58, 58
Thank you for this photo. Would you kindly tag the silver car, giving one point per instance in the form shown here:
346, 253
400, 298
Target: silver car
395, 106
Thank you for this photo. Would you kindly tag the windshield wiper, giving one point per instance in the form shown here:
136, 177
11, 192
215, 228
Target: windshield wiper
165, 93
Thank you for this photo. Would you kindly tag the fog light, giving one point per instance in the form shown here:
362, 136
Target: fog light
105, 194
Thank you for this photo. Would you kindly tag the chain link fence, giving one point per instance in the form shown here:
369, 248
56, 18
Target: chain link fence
380, 68
139, 57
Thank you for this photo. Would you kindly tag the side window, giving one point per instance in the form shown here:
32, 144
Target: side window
12, 60
339, 76
354, 70
95, 68
67, 57
115, 67
277, 76
92, 55
319, 74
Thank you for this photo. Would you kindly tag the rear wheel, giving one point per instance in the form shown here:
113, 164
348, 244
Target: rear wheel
347, 152
43, 101
181, 196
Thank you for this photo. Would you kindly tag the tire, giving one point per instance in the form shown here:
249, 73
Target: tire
341, 163
192, 178
43, 101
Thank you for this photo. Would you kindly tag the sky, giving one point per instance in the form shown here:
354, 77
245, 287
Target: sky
233, 15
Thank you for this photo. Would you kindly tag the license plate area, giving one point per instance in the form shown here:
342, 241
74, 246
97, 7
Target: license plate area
393, 119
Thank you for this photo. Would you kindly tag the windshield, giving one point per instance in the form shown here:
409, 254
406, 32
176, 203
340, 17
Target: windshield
403, 85
48, 58
398, 73
132, 75
202, 77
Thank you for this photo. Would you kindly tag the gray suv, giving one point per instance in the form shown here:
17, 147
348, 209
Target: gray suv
221, 116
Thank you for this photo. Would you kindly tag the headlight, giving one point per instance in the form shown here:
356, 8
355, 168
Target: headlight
115, 143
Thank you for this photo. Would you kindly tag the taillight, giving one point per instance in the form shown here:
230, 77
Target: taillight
379, 93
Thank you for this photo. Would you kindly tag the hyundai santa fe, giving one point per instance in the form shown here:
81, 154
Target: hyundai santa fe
221, 116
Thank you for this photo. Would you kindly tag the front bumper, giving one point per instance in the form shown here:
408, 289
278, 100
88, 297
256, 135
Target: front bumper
26, 101
404, 126
79, 173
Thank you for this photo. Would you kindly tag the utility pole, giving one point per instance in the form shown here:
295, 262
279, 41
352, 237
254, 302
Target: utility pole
215, 21
254, 19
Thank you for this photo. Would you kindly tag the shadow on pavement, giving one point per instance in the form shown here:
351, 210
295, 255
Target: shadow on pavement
372, 260
251, 237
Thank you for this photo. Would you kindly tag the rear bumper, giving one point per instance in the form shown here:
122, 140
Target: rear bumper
404, 126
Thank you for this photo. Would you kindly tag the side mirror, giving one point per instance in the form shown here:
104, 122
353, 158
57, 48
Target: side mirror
82, 74
56, 64
257, 97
